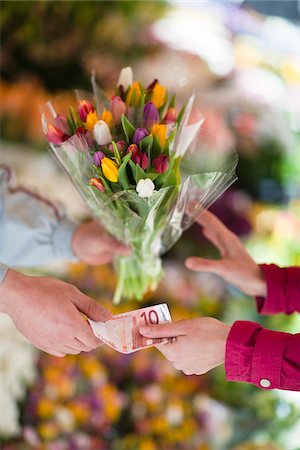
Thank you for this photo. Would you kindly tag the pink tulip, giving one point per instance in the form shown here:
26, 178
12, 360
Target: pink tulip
170, 116
55, 135
118, 107
62, 124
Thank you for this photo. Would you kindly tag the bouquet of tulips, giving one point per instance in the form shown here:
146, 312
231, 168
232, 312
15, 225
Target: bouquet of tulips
135, 160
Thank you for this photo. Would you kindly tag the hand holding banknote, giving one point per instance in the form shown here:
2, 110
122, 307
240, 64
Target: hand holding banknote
121, 332
197, 345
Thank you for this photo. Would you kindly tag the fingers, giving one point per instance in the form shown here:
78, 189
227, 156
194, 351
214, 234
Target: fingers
205, 265
164, 330
114, 246
91, 308
215, 231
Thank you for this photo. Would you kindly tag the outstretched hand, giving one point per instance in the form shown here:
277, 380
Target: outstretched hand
235, 265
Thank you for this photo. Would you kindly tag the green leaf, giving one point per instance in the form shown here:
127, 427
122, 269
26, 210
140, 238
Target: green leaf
140, 174
128, 128
152, 174
156, 148
133, 169
173, 133
161, 109
123, 177
116, 153
71, 121
180, 115
145, 143
172, 102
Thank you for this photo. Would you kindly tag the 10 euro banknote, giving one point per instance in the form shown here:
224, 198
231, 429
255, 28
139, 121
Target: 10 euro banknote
122, 331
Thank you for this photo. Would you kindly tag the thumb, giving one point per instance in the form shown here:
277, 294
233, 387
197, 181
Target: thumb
92, 309
205, 265
164, 330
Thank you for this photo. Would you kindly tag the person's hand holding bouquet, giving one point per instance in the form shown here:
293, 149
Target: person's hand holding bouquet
135, 160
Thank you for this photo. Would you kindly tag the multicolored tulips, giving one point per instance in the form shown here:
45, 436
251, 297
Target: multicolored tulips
110, 135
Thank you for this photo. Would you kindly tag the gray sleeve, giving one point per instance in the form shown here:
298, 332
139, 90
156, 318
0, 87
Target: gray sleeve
32, 230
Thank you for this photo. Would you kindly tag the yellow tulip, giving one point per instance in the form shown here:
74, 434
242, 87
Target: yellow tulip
91, 120
107, 117
158, 95
110, 169
161, 132
135, 90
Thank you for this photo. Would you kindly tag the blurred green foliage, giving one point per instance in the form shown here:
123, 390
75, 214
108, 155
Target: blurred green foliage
59, 42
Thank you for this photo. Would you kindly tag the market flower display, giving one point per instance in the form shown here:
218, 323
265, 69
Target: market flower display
135, 160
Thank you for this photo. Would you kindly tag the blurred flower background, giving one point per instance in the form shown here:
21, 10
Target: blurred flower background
243, 61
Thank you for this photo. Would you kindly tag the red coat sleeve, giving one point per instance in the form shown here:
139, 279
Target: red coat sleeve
283, 290
268, 359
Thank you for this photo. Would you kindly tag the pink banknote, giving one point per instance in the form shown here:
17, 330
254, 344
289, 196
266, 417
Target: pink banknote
122, 331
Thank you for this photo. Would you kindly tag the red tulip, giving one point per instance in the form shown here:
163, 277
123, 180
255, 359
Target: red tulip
97, 184
141, 159
84, 108
161, 163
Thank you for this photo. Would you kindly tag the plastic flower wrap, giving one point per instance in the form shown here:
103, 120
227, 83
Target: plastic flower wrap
135, 160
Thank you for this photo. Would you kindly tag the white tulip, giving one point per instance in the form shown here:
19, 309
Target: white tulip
145, 188
101, 133
125, 77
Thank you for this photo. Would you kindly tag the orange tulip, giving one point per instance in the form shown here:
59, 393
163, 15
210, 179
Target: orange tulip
107, 117
158, 95
134, 91
161, 132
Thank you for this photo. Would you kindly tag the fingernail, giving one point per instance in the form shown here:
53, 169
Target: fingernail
145, 330
190, 262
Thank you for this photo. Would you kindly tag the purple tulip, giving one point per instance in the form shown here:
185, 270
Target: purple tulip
161, 164
151, 115
139, 134
98, 156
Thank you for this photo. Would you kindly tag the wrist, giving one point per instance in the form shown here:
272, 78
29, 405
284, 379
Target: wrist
8, 289
261, 283
223, 335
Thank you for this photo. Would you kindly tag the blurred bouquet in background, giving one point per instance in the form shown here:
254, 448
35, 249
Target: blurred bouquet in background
134, 160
